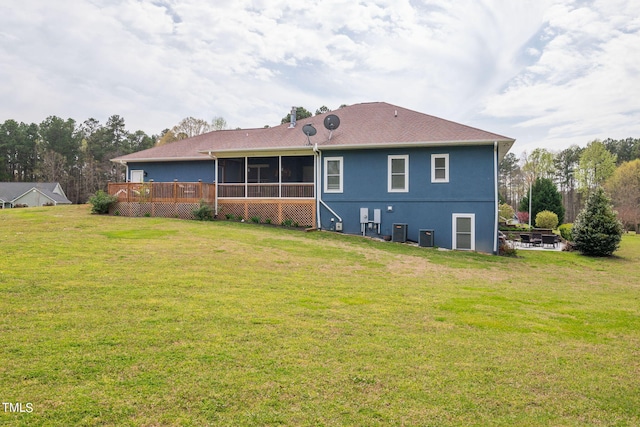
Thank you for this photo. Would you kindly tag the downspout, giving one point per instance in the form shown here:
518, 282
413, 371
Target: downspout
215, 181
495, 195
319, 200
126, 176
215, 197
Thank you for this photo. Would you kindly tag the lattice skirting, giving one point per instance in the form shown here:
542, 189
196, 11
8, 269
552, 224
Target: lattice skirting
164, 210
276, 211
302, 212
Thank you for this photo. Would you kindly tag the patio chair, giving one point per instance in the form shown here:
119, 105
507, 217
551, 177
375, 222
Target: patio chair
549, 239
525, 239
536, 239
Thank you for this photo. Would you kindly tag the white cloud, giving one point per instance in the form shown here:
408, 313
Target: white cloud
544, 72
584, 84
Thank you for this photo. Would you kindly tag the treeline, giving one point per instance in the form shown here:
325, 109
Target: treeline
76, 155
576, 172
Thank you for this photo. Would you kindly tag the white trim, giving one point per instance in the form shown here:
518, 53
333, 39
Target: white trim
390, 159
160, 159
326, 174
444, 180
419, 144
454, 231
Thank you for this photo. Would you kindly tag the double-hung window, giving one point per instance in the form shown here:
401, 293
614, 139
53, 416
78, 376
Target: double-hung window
398, 181
333, 174
439, 168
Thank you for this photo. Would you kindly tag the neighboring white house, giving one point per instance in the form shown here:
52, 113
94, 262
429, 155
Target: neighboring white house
14, 194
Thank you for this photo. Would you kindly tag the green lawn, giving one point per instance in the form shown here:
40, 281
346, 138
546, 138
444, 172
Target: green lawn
147, 321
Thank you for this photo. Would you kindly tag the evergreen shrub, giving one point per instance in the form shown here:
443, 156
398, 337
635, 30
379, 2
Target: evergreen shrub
101, 201
547, 219
565, 231
597, 230
204, 212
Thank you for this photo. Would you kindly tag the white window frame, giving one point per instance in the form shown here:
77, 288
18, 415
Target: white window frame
454, 231
446, 168
340, 161
391, 158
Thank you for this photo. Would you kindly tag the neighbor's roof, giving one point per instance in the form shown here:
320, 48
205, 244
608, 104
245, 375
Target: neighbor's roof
366, 125
10, 191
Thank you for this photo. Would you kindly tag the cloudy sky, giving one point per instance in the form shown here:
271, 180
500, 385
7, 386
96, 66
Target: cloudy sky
548, 73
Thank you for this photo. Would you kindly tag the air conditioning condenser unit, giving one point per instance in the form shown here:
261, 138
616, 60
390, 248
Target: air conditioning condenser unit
426, 238
399, 233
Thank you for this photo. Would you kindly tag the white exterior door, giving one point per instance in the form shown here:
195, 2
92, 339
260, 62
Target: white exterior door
137, 176
464, 232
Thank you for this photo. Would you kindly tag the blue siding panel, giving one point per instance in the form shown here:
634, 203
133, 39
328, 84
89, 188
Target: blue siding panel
426, 205
182, 171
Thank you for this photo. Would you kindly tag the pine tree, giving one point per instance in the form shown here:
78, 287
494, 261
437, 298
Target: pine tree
597, 230
545, 197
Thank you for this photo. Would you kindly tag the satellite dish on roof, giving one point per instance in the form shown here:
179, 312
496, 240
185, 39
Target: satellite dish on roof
309, 130
332, 122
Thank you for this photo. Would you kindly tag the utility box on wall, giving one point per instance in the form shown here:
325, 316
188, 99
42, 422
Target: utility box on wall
399, 233
426, 238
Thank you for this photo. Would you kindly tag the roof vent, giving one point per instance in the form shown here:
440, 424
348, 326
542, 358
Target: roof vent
293, 118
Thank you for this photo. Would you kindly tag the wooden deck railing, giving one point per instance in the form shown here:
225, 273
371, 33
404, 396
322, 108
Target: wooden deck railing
193, 192
296, 190
163, 192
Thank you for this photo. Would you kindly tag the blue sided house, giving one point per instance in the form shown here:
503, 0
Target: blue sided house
373, 169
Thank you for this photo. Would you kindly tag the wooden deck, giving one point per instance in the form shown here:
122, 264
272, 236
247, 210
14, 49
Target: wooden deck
273, 203
163, 192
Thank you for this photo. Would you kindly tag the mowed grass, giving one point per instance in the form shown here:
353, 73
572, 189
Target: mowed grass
116, 321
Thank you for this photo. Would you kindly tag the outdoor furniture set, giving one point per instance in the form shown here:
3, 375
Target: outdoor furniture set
539, 239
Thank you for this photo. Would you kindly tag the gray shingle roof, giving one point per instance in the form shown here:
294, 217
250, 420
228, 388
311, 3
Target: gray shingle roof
361, 126
10, 191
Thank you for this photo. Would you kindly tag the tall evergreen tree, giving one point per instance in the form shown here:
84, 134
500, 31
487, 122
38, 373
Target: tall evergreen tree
544, 197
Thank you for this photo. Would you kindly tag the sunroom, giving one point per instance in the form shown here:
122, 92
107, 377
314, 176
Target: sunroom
270, 188
266, 177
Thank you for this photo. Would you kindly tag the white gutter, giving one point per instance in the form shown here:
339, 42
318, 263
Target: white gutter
497, 214
379, 145
319, 200
259, 152
159, 159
